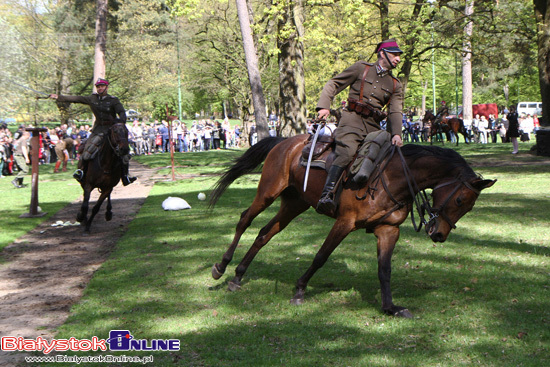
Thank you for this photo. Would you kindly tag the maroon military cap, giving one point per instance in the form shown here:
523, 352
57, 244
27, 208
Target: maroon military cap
101, 81
389, 45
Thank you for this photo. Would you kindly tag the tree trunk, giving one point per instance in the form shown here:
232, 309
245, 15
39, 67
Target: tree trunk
424, 89
542, 16
384, 7
258, 99
292, 91
100, 39
409, 51
467, 113
506, 90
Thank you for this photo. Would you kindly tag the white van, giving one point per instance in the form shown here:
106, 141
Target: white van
529, 108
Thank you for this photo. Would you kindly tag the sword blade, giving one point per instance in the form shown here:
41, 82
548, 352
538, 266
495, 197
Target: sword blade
29, 88
306, 177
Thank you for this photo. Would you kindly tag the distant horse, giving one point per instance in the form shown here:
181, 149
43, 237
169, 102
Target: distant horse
104, 172
446, 126
455, 188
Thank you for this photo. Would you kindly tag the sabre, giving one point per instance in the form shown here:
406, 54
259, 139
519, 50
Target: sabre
319, 127
33, 90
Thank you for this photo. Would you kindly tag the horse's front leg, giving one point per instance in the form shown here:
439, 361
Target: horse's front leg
337, 234
82, 215
387, 236
96, 207
109, 212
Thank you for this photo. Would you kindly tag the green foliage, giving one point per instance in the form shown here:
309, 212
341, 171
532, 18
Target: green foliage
153, 43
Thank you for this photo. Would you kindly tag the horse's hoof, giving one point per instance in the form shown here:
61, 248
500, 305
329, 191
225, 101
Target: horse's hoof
108, 216
80, 218
297, 301
233, 286
399, 312
216, 274
404, 313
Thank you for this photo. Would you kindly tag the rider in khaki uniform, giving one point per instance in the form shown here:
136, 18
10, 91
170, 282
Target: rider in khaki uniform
380, 89
105, 109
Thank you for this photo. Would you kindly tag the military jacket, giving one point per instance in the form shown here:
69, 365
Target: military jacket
105, 109
19, 144
378, 91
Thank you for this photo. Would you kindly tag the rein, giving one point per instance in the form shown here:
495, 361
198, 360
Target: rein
420, 198
415, 193
114, 147
439, 211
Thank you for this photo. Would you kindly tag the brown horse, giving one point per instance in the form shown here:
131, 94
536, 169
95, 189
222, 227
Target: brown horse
455, 188
104, 172
446, 126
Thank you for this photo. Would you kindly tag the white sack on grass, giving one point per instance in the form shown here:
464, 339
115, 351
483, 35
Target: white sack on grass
175, 204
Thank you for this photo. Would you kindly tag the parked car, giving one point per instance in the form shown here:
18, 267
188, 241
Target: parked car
132, 114
529, 108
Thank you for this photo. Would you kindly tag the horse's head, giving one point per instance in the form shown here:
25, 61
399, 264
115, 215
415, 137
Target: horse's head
428, 117
451, 201
118, 139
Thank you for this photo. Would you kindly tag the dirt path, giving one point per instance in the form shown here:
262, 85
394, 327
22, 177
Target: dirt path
46, 270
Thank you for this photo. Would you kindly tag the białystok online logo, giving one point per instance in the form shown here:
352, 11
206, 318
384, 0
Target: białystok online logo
119, 340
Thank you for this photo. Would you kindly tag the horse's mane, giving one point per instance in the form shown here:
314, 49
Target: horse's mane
452, 159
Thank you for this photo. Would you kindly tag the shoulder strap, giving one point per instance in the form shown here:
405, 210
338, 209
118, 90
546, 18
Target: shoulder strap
367, 67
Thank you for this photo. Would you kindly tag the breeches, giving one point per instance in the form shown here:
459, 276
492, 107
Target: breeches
348, 137
61, 154
21, 164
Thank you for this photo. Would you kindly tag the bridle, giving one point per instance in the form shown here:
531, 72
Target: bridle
114, 146
436, 212
420, 198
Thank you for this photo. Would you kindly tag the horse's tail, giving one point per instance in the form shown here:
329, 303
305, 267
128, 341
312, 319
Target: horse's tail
243, 165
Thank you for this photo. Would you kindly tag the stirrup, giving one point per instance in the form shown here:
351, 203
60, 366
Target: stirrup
326, 204
126, 180
78, 175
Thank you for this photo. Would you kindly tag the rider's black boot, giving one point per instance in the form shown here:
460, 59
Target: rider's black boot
126, 178
17, 182
327, 204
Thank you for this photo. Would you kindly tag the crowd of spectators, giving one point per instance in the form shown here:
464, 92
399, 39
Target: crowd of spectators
202, 135
145, 138
483, 129
47, 142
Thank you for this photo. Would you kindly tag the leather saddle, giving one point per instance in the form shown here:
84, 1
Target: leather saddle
323, 152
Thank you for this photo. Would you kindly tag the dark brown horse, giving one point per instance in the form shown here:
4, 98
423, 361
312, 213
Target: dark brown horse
104, 172
455, 188
446, 126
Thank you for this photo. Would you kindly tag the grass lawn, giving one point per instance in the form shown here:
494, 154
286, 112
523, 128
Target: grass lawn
55, 191
480, 298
